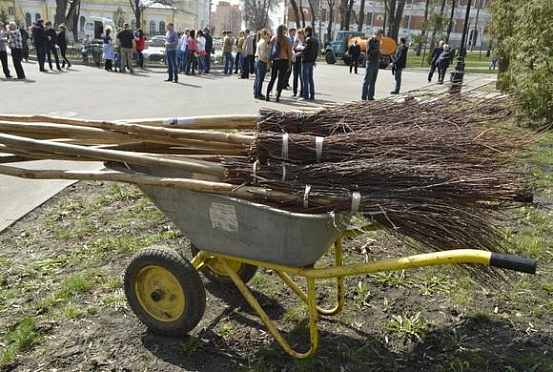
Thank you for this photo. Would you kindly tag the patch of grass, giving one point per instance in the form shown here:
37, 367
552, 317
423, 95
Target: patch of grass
392, 278
308, 365
71, 311
117, 300
265, 284
114, 283
463, 294
362, 294
226, 329
191, 346
409, 327
528, 241
481, 316
432, 285
296, 312
79, 283
19, 339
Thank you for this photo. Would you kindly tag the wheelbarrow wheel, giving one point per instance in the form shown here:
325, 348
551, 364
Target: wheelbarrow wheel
164, 291
215, 274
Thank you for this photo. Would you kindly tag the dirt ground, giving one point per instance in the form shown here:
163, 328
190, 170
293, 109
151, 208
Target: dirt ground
62, 268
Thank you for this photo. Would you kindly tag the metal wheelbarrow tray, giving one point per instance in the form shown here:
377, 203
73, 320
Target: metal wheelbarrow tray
232, 237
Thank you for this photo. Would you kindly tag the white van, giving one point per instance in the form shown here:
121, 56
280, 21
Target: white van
96, 26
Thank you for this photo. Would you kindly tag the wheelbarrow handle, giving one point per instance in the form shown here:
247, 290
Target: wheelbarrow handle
507, 261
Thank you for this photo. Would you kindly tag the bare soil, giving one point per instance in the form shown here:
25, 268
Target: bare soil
62, 265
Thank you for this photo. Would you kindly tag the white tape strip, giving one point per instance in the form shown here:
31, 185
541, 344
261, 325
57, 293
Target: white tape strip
306, 196
355, 201
319, 147
255, 165
285, 140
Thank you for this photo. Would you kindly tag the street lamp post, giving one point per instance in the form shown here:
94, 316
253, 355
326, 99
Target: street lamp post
459, 72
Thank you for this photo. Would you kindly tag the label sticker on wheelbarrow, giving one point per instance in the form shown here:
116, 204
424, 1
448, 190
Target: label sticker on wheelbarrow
223, 217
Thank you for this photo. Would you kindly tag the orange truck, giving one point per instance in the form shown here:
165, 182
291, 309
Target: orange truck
339, 48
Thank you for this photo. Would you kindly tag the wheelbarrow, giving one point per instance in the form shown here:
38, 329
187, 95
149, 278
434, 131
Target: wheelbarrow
231, 238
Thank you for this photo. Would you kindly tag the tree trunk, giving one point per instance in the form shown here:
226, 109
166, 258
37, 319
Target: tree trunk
302, 15
385, 16
348, 14
61, 9
474, 34
436, 26
330, 20
343, 14
424, 28
314, 12
450, 25
296, 13
361, 19
395, 23
137, 10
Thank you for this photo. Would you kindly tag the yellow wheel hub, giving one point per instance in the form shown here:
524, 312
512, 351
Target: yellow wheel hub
215, 265
160, 294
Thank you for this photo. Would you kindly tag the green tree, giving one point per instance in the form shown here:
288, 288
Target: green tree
523, 30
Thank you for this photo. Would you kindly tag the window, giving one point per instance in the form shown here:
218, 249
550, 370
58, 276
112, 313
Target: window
28, 19
37, 17
369, 19
11, 10
406, 20
161, 27
152, 27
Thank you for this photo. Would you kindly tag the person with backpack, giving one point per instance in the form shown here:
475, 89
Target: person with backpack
281, 61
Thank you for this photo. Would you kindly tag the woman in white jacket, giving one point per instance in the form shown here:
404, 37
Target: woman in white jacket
201, 52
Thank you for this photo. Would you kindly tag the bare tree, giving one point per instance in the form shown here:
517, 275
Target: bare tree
331, 5
314, 8
361, 18
256, 13
302, 15
296, 13
450, 25
67, 11
438, 21
422, 36
139, 6
346, 7
395, 12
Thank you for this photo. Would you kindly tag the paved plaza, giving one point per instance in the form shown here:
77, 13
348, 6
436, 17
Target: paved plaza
93, 93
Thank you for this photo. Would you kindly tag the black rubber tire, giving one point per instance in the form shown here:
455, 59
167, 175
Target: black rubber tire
362, 61
330, 58
188, 279
246, 272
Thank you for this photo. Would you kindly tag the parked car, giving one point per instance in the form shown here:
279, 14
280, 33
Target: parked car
155, 50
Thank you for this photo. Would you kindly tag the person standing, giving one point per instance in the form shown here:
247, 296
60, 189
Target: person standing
309, 58
354, 52
24, 38
191, 51
293, 38
208, 49
86, 48
201, 52
107, 49
262, 56
15, 42
140, 42
39, 40
51, 45
239, 59
125, 39
371, 71
399, 62
248, 51
443, 63
171, 42
434, 60
62, 42
3, 51
227, 52
297, 49
281, 57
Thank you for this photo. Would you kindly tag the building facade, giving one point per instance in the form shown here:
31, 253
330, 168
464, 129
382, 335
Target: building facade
227, 17
155, 17
411, 22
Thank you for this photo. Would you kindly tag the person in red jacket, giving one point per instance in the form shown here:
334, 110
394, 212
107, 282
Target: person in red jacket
140, 40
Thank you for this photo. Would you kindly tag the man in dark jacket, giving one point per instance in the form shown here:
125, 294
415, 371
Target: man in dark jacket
39, 39
399, 62
309, 57
371, 71
51, 45
443, 63
208, 49
354, 52
434, 60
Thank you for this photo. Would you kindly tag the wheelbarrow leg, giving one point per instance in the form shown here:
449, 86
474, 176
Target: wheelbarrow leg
312, 309
339, 284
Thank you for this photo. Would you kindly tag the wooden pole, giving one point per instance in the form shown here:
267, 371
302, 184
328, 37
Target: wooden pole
76, 151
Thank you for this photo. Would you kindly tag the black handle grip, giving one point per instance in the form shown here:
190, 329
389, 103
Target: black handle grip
506, 261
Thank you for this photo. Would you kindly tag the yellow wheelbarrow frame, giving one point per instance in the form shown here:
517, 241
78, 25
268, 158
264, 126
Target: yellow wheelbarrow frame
339, 271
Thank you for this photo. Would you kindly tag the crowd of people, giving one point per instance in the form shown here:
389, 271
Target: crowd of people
289, 54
